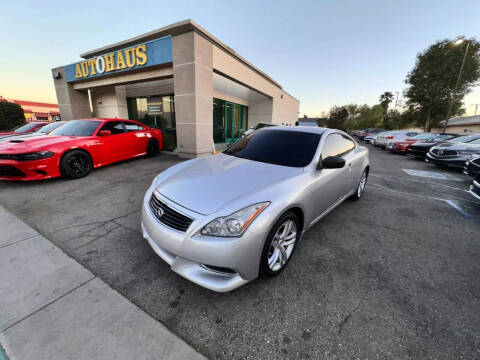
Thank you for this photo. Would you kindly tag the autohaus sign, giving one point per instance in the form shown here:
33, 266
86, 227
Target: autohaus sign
150, 53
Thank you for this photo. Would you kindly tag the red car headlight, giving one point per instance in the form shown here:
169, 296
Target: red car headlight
29, 156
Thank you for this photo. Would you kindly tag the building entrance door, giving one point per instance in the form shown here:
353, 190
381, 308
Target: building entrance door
233, 121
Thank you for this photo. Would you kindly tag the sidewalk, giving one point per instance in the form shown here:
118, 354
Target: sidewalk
52, 308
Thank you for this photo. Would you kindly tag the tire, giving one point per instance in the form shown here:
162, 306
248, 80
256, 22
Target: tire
152, 148
75, 164
271, 252
361, 186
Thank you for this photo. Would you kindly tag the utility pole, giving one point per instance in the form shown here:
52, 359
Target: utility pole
459, 41
396, 100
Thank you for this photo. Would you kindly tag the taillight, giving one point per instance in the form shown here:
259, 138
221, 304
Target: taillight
367, 134
389, 137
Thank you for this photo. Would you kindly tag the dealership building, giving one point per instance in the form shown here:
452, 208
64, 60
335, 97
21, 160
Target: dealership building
179, 78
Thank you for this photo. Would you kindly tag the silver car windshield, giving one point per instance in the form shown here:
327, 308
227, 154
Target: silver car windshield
286, 148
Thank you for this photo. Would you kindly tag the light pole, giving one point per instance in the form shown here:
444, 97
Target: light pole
458, 42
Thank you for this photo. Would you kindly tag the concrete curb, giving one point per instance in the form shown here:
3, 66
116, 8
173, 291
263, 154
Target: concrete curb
51, 307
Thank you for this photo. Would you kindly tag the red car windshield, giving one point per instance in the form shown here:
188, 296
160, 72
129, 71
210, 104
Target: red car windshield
25, 127
77, 128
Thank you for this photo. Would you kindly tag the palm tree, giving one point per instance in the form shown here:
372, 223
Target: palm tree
385, 99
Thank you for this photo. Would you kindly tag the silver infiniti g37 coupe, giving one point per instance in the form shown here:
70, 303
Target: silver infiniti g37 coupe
223, 220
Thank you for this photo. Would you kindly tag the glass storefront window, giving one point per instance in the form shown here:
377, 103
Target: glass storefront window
157, 112
230, 120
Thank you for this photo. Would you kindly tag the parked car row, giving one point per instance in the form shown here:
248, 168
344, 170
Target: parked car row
72, 149
447, 150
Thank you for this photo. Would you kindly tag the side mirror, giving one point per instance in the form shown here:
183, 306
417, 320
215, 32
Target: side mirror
333, 162
105, 133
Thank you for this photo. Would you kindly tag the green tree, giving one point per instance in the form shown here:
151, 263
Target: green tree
337, 118
431, 83
370, 117
11, 115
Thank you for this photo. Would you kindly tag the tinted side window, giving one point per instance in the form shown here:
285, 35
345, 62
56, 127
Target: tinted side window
133, 127
116, 127
334, 145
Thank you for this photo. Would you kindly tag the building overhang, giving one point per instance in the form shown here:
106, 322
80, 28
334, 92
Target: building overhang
178, 28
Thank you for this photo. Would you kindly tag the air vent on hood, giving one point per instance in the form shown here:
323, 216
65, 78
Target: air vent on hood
17, 141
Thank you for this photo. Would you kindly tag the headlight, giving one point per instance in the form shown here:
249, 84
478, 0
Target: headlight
32, 156
236, 223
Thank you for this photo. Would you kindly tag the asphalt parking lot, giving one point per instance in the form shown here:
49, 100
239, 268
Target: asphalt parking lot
394, 275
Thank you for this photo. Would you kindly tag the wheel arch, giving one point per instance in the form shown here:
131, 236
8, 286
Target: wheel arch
70, 150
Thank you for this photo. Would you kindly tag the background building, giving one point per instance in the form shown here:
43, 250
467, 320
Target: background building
461, 124
37, 111
180, 79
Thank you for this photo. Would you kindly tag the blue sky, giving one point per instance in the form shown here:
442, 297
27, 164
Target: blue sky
322, 52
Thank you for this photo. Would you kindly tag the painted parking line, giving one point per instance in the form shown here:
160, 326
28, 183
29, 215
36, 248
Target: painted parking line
431, 174
452, 203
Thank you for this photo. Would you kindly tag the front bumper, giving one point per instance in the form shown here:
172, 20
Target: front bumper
29, 170
455, 162
475, 189
420, 154
196, 257
470, 168
381, 143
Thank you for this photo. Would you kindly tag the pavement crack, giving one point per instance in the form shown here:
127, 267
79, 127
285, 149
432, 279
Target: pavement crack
350, 313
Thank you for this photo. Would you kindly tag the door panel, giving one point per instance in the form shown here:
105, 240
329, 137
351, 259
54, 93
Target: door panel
114, 146
331, 185
136, 139
228, 122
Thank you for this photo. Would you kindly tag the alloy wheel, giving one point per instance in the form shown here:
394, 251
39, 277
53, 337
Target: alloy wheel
78, 164
282, 245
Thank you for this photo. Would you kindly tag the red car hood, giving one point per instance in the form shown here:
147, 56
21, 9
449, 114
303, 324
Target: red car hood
33, 144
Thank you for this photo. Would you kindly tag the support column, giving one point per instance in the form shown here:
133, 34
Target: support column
110, 102
72, 104
193, 87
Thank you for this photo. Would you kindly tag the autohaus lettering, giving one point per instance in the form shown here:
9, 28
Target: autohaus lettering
119, 60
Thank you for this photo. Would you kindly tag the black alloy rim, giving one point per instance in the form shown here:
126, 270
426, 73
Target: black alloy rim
78, 164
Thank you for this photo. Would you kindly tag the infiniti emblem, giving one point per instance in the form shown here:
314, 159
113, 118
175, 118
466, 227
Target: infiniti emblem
160, 212
440, 152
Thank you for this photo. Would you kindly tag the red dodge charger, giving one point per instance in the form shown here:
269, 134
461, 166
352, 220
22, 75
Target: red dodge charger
74, 149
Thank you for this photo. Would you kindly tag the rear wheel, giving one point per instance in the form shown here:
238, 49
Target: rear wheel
279, 246
361, 186
152, 148
75, 164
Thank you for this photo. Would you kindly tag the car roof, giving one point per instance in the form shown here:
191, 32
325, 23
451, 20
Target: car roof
109, 120
309, 129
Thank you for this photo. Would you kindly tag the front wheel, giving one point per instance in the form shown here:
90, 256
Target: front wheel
279, 246
75, 164
361, 186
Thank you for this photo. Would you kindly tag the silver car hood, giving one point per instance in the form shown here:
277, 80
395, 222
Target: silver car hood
209, 183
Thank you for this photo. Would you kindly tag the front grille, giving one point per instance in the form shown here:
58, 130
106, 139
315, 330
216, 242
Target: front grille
441, 152
476, 161
168, 216
9, 170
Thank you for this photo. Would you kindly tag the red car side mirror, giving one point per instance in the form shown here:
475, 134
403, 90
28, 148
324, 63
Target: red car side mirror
105, 133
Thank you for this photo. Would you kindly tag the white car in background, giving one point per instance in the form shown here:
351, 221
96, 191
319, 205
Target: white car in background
387, 139
256, 127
